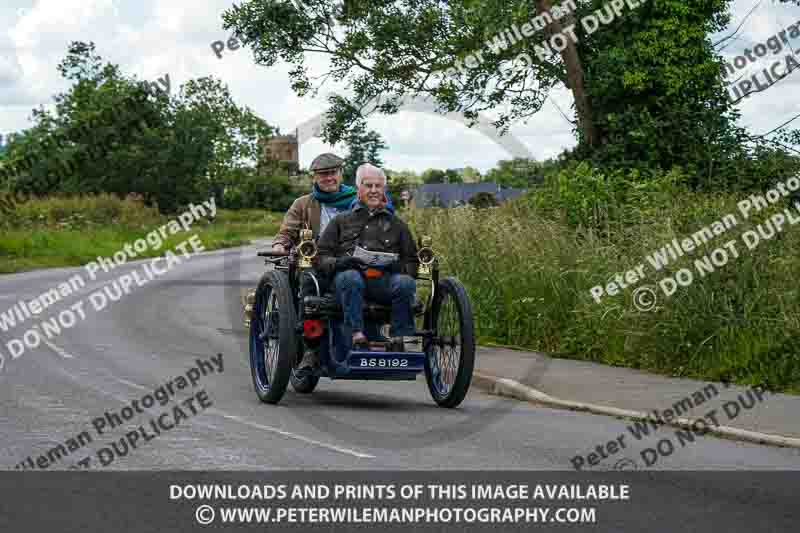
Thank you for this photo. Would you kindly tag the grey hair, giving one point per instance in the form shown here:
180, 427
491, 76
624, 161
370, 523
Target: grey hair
368, 169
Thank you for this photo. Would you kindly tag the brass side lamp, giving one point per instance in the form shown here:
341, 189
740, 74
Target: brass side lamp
425, 255
307, 248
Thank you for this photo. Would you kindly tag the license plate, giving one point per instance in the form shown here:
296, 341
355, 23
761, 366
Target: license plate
381, 362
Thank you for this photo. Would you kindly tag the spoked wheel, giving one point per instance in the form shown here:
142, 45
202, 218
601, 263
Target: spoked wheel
273, 346
450, 354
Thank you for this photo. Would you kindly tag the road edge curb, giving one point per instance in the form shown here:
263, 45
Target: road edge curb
513, 389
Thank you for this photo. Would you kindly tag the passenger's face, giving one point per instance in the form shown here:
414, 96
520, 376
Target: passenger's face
371, 191
328, 180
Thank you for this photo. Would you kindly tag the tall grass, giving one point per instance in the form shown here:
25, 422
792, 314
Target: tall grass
72, 231
529, 273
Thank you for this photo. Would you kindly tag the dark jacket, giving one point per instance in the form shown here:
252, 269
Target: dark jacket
380, 231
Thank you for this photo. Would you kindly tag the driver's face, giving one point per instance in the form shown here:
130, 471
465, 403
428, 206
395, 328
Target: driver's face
328, 180
371, 191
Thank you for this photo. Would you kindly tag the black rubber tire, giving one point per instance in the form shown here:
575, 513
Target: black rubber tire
304, 385
451, 288
272, 389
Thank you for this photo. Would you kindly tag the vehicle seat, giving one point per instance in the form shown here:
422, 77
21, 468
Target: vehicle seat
326, 305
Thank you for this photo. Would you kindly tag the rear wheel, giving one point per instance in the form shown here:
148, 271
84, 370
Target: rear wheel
450, 354
273, 345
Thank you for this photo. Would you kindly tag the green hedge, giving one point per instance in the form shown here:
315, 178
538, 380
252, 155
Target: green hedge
529, 266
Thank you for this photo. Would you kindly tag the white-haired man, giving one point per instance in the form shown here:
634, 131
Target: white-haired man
372, 227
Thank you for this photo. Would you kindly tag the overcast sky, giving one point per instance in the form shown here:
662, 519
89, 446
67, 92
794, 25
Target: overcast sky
151, 38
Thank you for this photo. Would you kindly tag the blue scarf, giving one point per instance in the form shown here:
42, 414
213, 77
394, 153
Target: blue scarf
342, 199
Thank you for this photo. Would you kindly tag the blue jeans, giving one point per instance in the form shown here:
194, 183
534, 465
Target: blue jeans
396, 290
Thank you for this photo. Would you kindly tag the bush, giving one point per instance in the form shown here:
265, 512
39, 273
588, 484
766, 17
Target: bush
529, 272
483, 200
605, 200
79, 212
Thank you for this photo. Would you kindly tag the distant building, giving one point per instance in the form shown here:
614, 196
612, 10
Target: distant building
285, 150
456, 194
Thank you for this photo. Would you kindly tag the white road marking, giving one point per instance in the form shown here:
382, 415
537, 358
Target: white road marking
287, 434
58, 350
132, 384
333, 447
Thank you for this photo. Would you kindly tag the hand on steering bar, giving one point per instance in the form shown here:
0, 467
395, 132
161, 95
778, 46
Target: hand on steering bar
349, 262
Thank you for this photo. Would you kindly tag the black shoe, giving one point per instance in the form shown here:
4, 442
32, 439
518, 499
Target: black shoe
310, 361
396, 344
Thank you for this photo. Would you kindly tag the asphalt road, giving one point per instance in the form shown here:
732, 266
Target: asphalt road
52, 395
54, 392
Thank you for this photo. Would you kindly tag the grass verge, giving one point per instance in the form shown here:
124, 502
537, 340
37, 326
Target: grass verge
530, 273
72, 231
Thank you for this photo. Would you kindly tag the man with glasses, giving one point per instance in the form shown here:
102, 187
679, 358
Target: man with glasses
369, 232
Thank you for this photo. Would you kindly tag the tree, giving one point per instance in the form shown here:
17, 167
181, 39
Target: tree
433, 175
483, 200
640, 87
97, 135
237, 131
397, 183
110, 133
452, 176
519, 172
471, 175
270, 191
363, 146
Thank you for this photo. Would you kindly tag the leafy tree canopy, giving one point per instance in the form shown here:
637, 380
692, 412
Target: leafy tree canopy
519, 172
363, 146
647, 82
112, 133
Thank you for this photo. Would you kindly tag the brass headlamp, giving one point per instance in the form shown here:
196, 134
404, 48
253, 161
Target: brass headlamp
425, 255
307, 248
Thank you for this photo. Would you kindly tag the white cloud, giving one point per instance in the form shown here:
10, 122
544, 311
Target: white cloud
150, 38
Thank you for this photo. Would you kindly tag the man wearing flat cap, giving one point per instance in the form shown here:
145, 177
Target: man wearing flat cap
328, 197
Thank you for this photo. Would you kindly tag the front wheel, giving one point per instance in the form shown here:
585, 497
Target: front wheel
450, 353
273, 346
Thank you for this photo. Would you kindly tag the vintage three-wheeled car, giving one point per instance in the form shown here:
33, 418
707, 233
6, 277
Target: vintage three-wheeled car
286, 318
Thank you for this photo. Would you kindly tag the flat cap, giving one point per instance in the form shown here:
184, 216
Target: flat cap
326, 161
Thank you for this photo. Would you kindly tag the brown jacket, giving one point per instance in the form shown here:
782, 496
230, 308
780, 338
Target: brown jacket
304, 213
